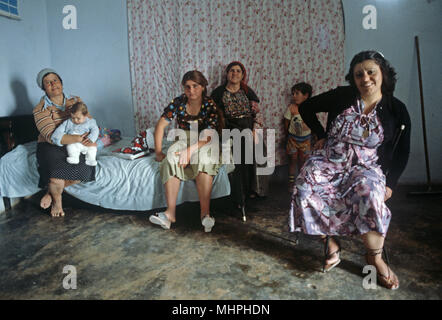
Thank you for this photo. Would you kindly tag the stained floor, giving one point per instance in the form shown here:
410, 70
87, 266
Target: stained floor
120, 255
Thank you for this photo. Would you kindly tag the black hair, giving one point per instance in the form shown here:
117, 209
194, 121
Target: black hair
303, 87
388, 72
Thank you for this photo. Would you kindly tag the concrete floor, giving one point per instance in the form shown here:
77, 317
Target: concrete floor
120, 255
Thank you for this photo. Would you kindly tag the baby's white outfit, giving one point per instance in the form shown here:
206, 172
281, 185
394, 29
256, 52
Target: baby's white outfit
74, 149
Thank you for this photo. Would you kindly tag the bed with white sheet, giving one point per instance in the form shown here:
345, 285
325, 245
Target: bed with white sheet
120, 184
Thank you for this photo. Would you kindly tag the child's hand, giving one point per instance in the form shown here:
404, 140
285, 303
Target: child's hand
319, 144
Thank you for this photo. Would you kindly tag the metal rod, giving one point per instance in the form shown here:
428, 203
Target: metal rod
424, 128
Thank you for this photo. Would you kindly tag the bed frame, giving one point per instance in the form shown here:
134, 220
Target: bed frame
15, 130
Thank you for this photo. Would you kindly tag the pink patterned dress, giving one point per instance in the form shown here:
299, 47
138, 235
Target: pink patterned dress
340, 189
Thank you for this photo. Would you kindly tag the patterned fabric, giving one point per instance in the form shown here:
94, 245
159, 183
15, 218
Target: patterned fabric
52, 163
340, 189
142, 142
297, 127
280, 42
47, 119
108, 137
237, 105
206, 119
294, 146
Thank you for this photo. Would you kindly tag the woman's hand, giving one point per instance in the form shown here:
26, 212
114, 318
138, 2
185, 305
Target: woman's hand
319, 144
184, 155
255, 106
86, 141
388, 193
76, 138
159, 156
70, 102
256, 136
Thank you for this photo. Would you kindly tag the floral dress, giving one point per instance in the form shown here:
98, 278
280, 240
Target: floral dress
340, 189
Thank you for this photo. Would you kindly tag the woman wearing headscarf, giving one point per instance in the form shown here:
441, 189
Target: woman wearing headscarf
55, 173
240, 106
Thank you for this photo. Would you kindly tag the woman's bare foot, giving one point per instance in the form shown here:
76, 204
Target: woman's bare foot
333, 249
386, 276
169, 217
57, 211
46, 201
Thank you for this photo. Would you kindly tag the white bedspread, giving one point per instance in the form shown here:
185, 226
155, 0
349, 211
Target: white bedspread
120, 184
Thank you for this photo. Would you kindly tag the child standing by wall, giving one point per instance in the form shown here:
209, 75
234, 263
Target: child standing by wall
298, 133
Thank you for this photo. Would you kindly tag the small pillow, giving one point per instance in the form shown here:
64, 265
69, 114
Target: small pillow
108, 137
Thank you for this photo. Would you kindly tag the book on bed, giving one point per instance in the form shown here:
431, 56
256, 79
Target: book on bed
131, 156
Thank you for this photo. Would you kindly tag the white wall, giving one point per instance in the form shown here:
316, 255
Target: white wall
398, 22
94, 59
24, 49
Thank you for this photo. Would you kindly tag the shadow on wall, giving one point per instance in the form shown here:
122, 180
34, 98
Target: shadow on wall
23, 105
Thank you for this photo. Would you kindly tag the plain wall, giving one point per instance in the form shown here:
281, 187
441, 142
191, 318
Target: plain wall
398, 22
94, 59
24, 49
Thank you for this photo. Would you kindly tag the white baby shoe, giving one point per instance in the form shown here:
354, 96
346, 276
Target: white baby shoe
91, 162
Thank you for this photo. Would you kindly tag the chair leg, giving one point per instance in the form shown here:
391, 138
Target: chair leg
7, 203
386, 255
243, 208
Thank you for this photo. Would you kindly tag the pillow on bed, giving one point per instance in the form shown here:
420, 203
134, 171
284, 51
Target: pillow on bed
108, 137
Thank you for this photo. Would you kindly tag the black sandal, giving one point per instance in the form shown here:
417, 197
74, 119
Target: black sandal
327, 256
389, 281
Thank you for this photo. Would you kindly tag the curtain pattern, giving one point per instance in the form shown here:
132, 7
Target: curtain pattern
280, 42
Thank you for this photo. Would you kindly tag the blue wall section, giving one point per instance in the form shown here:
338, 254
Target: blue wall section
94, 59
24, 48
398, 22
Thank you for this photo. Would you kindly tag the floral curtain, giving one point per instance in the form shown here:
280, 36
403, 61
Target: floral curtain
280, 42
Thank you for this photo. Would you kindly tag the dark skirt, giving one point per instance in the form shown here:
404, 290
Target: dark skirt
52, 163
243, 176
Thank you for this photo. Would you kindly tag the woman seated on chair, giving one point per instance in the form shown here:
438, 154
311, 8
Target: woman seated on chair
55, 172
240, 106
342, 188
185, 159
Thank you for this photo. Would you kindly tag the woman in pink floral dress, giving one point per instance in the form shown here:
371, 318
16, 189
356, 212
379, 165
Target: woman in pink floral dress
343, 186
